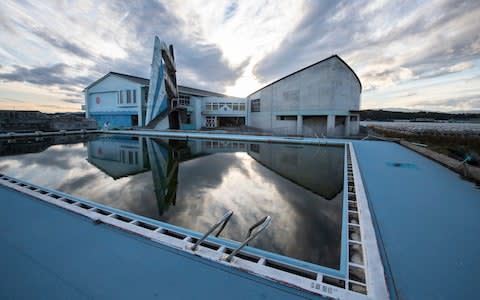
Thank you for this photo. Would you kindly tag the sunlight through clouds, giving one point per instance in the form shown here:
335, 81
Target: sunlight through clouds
236, 47
242, 30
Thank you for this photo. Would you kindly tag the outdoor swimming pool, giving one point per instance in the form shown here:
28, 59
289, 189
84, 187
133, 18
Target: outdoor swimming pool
192, 183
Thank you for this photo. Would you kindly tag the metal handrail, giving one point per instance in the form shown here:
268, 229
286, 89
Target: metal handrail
263, 223
223, 220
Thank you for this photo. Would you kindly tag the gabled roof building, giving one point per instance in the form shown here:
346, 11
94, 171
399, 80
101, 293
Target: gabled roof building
322, 99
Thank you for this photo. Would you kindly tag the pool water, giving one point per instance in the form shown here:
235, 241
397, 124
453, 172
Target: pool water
192, 183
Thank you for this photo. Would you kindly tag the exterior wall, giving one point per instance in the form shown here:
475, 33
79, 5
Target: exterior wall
321, 175
222, 107
118, 156
197, 112
102, 105
328, 88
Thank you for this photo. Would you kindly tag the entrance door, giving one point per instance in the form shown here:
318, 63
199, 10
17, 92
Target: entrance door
134, 120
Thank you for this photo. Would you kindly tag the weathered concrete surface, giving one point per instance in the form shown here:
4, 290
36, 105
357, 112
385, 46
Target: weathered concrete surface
467, 171
328, 88
426, 219
51, 253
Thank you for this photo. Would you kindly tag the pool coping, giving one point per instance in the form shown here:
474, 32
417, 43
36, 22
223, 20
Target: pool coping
375, 276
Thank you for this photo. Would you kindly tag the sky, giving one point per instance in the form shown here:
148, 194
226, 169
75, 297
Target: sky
409, 55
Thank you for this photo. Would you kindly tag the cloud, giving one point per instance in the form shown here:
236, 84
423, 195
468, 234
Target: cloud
62, 43
44, 75
400, 41
74, 101
236, 46
470, 102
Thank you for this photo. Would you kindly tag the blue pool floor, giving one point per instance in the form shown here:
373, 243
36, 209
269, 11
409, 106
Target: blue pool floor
50, 253
427, 222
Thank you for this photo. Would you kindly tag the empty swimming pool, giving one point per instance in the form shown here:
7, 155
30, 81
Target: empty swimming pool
192, 183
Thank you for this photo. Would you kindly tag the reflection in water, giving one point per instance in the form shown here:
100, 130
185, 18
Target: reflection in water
193, 183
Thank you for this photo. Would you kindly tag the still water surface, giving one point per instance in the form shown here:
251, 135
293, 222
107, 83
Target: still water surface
193, 183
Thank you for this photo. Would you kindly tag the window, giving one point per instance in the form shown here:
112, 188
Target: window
286, 118
184, 100
208, 106
235, 106
134, 96
210, 122
129, 96
120, 97
255, 148
255, 105
215, 106
130, 157
242, 106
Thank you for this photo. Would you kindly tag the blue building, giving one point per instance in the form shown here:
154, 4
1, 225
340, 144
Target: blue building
118, 99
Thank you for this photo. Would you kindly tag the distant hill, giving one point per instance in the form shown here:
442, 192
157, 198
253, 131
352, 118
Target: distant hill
385, 115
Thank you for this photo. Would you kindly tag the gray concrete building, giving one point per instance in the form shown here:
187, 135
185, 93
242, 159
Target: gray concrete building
322, 99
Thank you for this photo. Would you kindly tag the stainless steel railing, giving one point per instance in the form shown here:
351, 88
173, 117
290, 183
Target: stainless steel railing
223, 221
263, 223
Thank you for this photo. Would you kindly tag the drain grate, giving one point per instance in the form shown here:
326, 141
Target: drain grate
356, 260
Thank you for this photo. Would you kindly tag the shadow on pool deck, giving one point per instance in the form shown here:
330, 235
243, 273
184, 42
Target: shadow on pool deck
426, 218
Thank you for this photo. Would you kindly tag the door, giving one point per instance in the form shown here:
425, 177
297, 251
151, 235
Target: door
134, 120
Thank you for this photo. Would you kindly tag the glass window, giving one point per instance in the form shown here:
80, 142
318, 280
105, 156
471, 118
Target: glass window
242, 106
255, 148
255, 105
286, 118
229, 105
215, 106
130, 157
120, 97
129, 96
235, 106
134, 96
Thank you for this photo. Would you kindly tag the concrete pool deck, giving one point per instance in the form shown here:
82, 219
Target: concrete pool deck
50, 253
426, 220
424, 214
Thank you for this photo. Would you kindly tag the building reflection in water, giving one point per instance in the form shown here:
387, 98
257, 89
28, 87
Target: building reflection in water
193, 183
196, 182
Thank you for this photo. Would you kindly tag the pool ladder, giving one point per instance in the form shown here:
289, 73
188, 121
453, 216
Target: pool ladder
262, 224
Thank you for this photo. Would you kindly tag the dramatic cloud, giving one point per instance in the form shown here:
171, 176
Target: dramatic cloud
52, 75
235, 47
385, 42
61, 43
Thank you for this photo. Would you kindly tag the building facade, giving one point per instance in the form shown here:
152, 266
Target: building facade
117, 100
320, 100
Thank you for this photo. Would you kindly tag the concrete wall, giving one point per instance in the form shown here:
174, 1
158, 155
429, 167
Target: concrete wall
322, 175
328, 88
